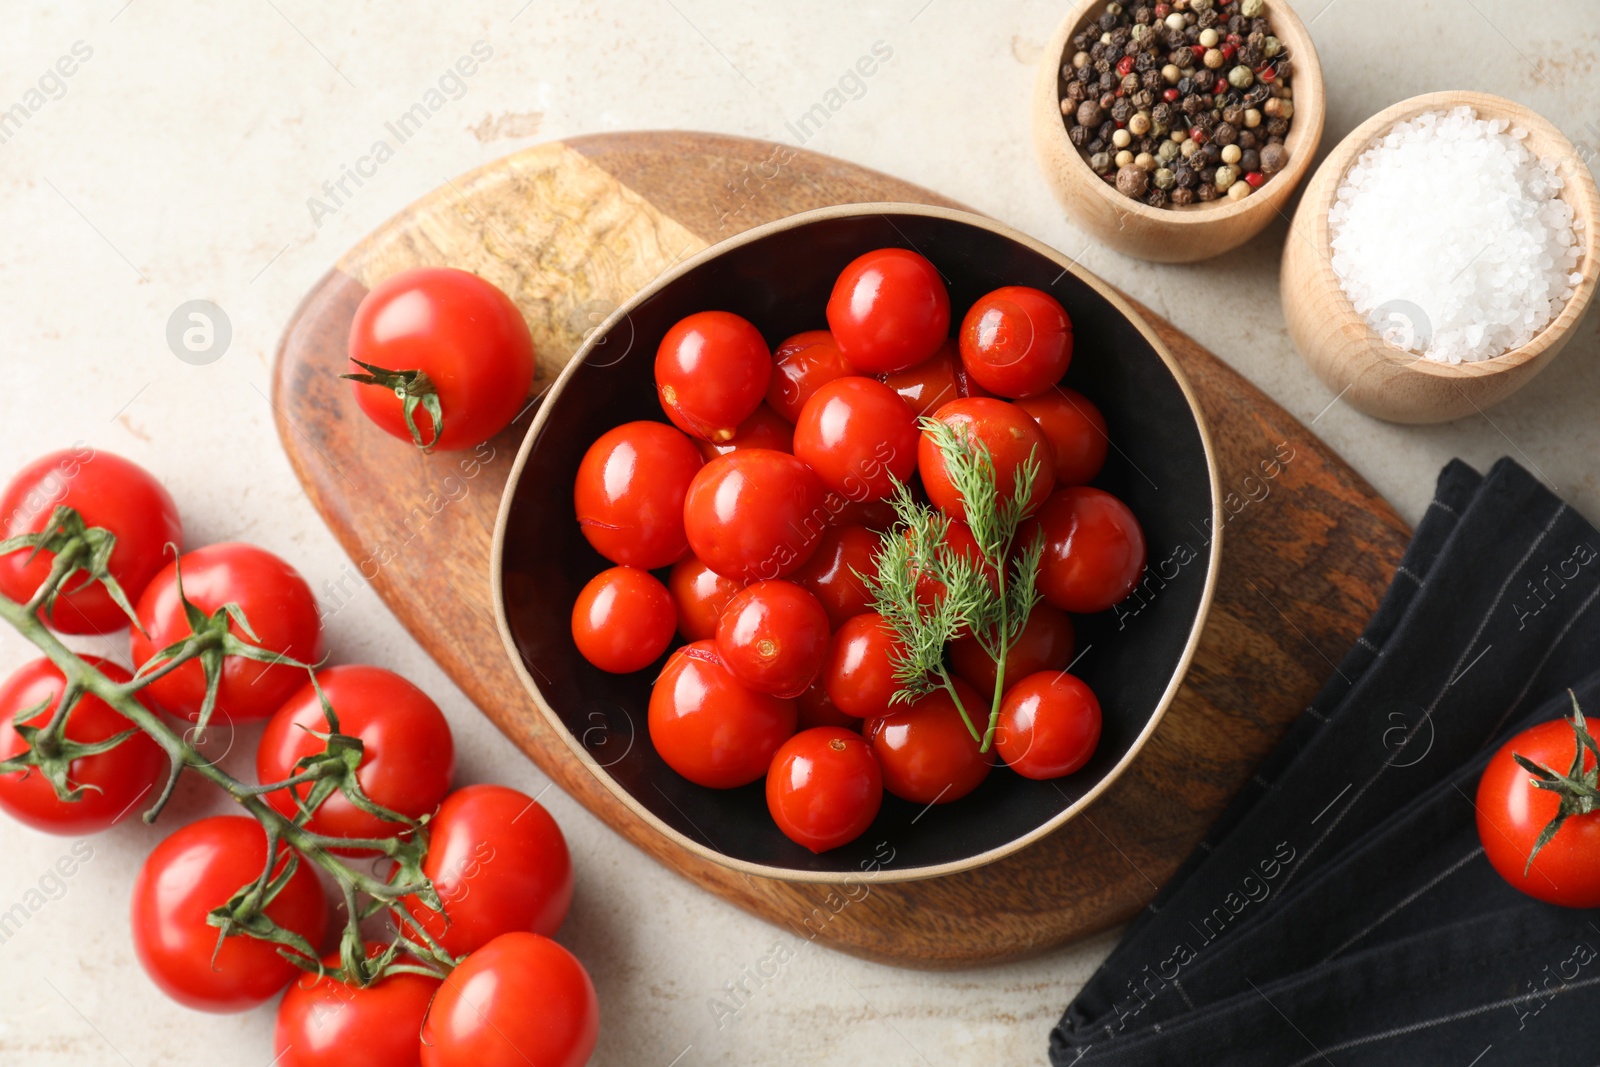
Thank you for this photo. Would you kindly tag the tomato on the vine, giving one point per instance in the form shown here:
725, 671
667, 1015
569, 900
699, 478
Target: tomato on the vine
927, 753
889, 310
712, 370
195, 870
764, 428
520, 1000
773, 637
936, 381
1094, 549
407, 757
467, 339
700, 595
499, 863
108, 492
1045, 643
833, 574
860, 671
323, 1022
800, 366
1016, 341
824, 788
1049, 725
1076, 431
112, 782
630, 491
275, 601
754, 514
711, 728
623, 620
1010, 435
859, 436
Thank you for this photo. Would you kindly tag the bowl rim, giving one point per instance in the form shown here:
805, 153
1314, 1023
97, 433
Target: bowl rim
677, 270
1302, 141
1580, 193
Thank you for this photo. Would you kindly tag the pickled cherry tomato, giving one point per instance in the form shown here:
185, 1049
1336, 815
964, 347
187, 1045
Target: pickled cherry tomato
815, 709
630, 492
773, 637
860, 672
1046, 642
800, 366
935, 381
889, 310
710, 728
1016, 341
623, 620
824, 788
1094, 550
859, 436
754, 514
1049, 725
700, 594
1076, 431
832, 574
763, 429
1007, 431
927, 753
712, 369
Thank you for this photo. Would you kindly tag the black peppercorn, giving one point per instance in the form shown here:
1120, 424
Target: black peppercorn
1143, 15
1262, 26
1205, 79
1156, 197
1081, 42
1076, 93
1274, 158
1192, 105
1277, 127
1208, 176
1102, 66
1080, 136
1224, 134
1237, 24
1257, 95
1107, 82
1096, 145
1207, 191
1120, 36
1207, 19
1249, 160
1182, 197
1107, 128
1233, 115
1090, 113
1162, 114
1185, 176
1211, 152
1152, 81
1084, 75
1144, 99
1185, 86
1143, 61
1108, 22
1122, 110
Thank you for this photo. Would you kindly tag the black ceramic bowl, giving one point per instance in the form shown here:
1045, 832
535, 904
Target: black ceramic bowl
778, 276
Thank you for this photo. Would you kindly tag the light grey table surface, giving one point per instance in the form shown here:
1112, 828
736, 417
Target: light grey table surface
177, 162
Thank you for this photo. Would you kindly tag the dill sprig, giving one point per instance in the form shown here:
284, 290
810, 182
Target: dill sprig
989, 598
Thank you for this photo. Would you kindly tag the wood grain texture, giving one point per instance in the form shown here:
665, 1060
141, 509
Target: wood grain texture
1346, 353
1308, 546
1173, 234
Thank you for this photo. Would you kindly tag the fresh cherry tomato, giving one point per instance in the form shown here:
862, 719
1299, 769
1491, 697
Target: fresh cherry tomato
889, 311
623, 620
800, 366
712, 371
860, 672
464, 334
107, 492
407, 753
1010, 435
833, 573
1094, 550
1046, 643
499, 863
1016, 341
709, 727
700, 594
1049, 725
630, 491
323, 1022
195, 870
935, 381
765, 428
754, 514
1512, 814
1076, 431
520, 1001
816, 709
927, 753
274, 600
112, 782
824, 788
774, 638
859, 436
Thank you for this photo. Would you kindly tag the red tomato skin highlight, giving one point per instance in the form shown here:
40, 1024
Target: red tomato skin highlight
623, 620
629, 493
936, 381
1049, 725
824, 788
1094, 549
859, 674
889, 310
773, 637
325, 1023
755, 514
764, 428
1076, 431
700, 595
927, 754
800, 366
1511, 814
1047, 642
712, 370
1011, 436
709, 727
830, 574
859, 436
1016, 341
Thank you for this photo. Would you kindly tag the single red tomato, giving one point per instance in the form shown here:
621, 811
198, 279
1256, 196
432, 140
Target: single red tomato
754, 514
1010, 435
816, 709
824, 788
1094, 550
407, 753
465, 337
889, 311
773, 637
1046, 643
833, 574
630, 491
927, 753
860, 672
323, 1022
1016, 341
195, 870
499, 863
112, 782
936, 381
623, 620
274, 600
763, 429
958, 538
1512, 813
107, 492
700, 594
709, 727
1076, 431
859, 436
1049, 725
800, 366
712, 371
520, 1001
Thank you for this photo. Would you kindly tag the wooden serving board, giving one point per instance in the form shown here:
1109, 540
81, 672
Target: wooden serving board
570, 230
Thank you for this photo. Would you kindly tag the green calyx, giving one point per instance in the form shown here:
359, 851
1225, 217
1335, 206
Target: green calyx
75, 547
51, 752
1578, 789
415, 389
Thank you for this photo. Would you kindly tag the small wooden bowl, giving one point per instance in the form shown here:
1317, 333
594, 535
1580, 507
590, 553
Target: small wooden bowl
1183, 234
1342, 348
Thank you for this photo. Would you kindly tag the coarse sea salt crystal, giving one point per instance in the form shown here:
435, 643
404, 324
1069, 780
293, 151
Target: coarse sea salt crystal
1450, 236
